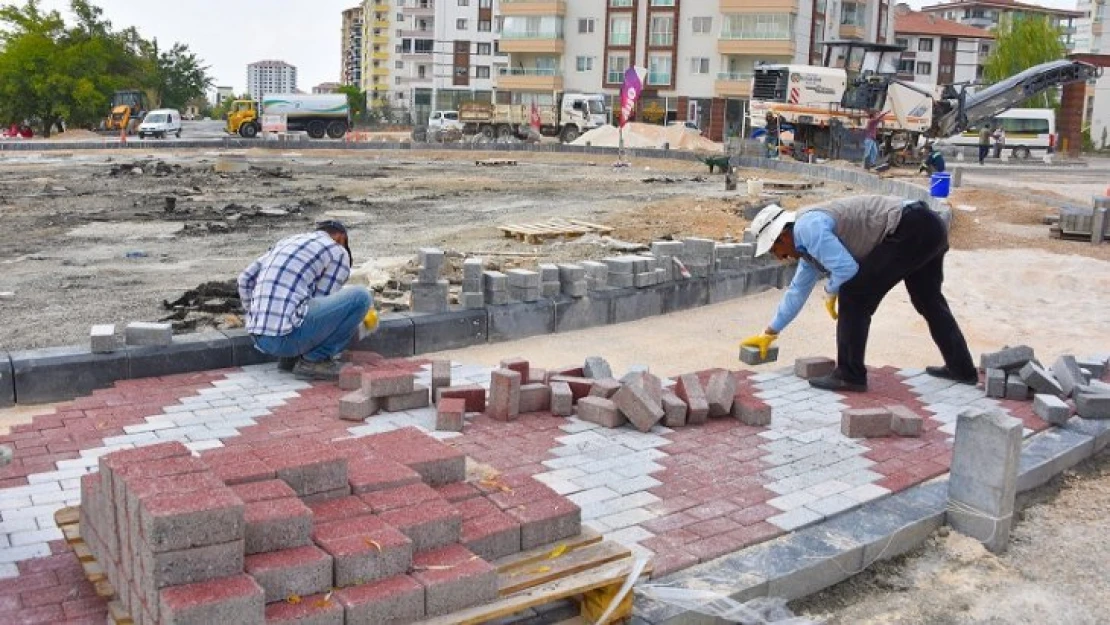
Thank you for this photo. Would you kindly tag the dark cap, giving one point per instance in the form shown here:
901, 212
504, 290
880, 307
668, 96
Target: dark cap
333, 226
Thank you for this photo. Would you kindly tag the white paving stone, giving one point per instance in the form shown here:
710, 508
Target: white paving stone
795, 519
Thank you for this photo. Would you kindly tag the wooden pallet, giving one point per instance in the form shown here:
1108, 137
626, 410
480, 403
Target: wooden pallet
556, 228
69, 521
789, 185
496, 162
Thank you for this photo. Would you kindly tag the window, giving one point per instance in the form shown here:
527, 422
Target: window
702, 25
659, 69
620, 3
662, 3
778, 26
662, 31
586, 25
948, 45
423, 46
481, 71
924, 69
699, 65
945, 69
924, 45
984, 49
618, 63
620, 30
532, 27
584, 63
902, 41
464, 3
853, 14
485, 26
484, 49
400, 65
460, 23
485, 4
905, 66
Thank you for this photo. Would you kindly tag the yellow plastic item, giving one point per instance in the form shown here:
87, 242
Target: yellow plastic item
830, 305
596, 602
762, 341
371, 320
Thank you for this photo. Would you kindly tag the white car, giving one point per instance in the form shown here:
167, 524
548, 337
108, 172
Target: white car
161, 123
444, 120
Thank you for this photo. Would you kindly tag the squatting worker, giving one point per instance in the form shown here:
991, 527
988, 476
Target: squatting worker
296, 308
864, 245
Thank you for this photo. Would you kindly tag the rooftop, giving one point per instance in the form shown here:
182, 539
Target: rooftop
918, 23
1003, 5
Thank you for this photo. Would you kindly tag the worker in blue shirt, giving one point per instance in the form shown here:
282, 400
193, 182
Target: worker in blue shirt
864, 245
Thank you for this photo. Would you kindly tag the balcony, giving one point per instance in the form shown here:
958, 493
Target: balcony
419, 10
851, 31
527, 8
380, 71
532, 41
381, 40
758, 6
529, 79
381, 24
380, 56
426, 33
733, 85
381, 7
1096, 29
759, 47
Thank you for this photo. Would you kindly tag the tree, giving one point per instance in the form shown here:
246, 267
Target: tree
1021, 43
356, 99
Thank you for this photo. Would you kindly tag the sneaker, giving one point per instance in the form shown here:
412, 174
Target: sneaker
833, 382
947, 374
287, 364
323, 370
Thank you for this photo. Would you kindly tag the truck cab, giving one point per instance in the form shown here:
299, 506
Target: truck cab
242, 118
583, 112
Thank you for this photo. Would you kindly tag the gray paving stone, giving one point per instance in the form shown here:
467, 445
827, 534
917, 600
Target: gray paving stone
1051, 408
147, 333
1093, 406
983, 476
1050, 453
1039, 379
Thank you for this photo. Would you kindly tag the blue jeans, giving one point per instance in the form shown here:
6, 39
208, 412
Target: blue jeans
870, 153
329, 325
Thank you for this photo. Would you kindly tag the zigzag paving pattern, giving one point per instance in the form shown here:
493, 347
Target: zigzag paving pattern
684, 495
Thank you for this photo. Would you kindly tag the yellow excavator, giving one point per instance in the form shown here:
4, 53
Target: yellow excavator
129, 107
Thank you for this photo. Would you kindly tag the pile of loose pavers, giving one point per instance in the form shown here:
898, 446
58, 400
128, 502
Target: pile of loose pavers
1014, 373
588, 391
378, 529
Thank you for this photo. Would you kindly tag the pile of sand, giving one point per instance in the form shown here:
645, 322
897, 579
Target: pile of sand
649, 136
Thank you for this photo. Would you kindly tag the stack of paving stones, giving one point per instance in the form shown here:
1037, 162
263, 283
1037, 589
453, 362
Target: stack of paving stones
666, 252
473, 295
429, 292
550, 285
1068, 386
572, 280
103, 339
699, 256
496, 286
380, 529
386, 390
524, 285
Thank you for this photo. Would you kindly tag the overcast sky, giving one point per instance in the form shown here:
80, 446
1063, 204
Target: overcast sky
229, 34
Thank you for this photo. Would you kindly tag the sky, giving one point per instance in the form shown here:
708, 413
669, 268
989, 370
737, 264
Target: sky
228, 35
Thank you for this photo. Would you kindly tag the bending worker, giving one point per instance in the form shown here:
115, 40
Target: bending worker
864, 245
295, 308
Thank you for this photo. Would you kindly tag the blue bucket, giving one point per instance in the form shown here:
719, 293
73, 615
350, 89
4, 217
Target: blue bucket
940, 184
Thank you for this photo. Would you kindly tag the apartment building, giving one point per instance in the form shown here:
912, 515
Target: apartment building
699, 54
1092, 36
986, 14
939, 51
222, 94
351, 36
271, 76
326, 87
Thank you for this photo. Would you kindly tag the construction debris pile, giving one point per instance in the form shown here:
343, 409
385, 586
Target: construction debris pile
1070, 385
637, 135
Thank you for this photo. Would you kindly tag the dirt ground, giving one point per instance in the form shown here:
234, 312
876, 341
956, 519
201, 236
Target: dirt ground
1057, 569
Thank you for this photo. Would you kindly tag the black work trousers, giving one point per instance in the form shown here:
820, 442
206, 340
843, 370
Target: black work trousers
914, 254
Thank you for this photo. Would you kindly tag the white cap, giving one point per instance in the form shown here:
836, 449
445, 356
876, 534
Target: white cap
768, 225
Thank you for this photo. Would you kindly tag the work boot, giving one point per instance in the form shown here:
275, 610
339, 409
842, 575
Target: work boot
323, 370
947, 374
833, 382
287, 364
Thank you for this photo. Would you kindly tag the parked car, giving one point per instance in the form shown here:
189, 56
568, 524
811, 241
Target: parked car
161, 123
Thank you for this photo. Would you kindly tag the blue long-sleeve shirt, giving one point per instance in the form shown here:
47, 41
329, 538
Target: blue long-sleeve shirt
815, 237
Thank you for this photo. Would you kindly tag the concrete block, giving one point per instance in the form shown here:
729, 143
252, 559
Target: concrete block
905, 422
1039, 379
597, 367
562, 399
450, 415
394, 338
145, 333
441, 375
1096, 365
350, 378
983, 476
418, 398
750, 355
866, 422
431, 264
688, 388
996, 383
550, 290
103, 339
364, 549
357, 406
398, 599
236, 599
173, 522
1093, 406
450, 330
7, 380
605, 387
1068, 375
494, 281
1051, 409
491, 535
575, 289
474, 395
719, 393
497, 298
276, 524
472, 301
57, 373
576, 314
1007, 359
813, 367
535, 397
302, 571
383, 383
311, 610
546, 521
454, 579
601, 411
188, 566
674, 411
472, 269
571, 274
520, 365
523, 279
520, 320
1016, 388
639, 406
429, 298
522, 294
504, 395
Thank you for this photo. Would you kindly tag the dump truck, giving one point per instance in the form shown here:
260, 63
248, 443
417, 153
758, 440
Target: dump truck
320, 115
128, 109
576, 114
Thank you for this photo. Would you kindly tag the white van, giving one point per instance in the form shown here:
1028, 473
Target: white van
161, 123
444, 120
1026, 130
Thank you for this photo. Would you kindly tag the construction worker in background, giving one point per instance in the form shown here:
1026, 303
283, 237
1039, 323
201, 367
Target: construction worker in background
984, 142
999, 138
934, 160
295, 307
864, 245
870, 139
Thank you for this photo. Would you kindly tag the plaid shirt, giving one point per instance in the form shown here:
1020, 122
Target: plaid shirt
276, 288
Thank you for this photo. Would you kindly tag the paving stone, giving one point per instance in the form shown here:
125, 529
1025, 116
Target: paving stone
236, 599
173, 522
356, 406
1093, 406
905, 422
751, 411
751, 355
719, 393
311, 610
996, 383
400, 497
597, 367
579, 387
102, 339
450, 415
188, 566
430, 525
145, 333
504, 395
418, 398
474, 395
562, 399
674, 411
638, 406
454, 579
866, 422
370, 474
1051, 409
535, 397
605, 387
398, 599
1068, 375
1094, 364
383, 383
338, 509
365, 551
1007, 359
350, 378
1039, 379
813, 367
441, 375
546, 521
492, 535
276, 524
313, 471
1016, 388
601, 411
688, 388
301, 571
983, 477
1050, 453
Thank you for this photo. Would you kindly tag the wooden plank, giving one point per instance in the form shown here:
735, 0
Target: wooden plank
83, 552
72, 533
67, 516
104, 589
576, 561
598, 577
93, 571
591, 225
539, 554
118, 614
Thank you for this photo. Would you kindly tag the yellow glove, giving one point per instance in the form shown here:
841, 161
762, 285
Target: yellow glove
762, 341
371, 320
830, 305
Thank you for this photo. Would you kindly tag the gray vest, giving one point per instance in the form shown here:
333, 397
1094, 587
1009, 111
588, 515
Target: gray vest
862, 221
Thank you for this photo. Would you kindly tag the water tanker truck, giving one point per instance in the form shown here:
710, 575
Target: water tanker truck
320, 115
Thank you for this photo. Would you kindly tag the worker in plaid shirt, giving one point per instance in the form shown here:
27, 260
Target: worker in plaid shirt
295, 306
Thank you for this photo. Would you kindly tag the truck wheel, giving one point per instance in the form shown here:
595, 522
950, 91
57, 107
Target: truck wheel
487, 132
248, 131
504, 131
336, 130
1022, 153
317, 129
570, 133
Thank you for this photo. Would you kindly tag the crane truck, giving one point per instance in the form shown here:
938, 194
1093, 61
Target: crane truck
319, 115
823, 103
575, 114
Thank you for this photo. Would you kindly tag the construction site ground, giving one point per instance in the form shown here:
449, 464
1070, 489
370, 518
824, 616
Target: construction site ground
70, 226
